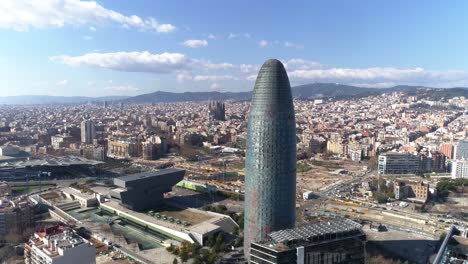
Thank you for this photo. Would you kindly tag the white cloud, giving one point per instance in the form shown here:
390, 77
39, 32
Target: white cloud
374, 85
214, 78
252, 77
247, 68
122, 88
87, 37
92, 28
359, 74
165, 28
21, 15
129, 61
62, 83
289, 44
211, 36
195, 43
300, 64
299, 70
382, 76
237, 35
215, 87
263, 43
218, 66
183, 77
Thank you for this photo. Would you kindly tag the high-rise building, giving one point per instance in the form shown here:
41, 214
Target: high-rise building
461, 150
447, 149
88, 132
460, 169
271, 156
217, 110
438, 161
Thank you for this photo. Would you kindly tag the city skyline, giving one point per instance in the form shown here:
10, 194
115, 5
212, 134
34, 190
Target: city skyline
84, 48
233, 132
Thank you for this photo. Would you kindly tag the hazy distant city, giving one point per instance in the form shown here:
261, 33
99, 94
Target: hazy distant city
230, 138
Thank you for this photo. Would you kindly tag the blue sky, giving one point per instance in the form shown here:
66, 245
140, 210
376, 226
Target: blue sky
120, 47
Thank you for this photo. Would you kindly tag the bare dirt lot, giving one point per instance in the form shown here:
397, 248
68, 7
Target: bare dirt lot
322, 173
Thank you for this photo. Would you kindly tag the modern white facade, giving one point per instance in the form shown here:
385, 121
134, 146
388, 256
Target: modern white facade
460, 169
398, 163
57, 245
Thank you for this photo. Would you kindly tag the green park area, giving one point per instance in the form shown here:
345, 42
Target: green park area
303, 167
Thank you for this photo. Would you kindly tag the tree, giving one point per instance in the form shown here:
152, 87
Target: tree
184, 256
170, 248
175, 261
108, 182
220, 238
221, 208
106, 228
211, 257
211, 241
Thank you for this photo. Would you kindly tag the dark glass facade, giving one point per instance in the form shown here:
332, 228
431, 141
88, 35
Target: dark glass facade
347, 250
271, 156
145, 191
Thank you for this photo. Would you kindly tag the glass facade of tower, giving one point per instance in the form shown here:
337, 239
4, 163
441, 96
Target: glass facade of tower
271, 156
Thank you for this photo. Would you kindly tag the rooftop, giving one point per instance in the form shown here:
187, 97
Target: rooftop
143, 175
307, 232
49, 161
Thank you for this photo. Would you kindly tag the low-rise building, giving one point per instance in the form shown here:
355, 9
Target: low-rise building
85, 199
5, 189
9, 151
337, 241
16, 216
61, 141
454, 248
123, 149
407, 189
58, 245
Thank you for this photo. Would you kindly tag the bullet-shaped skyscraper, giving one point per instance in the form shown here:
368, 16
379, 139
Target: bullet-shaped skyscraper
271, 156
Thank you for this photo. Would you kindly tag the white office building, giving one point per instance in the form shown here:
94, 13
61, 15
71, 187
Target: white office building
460, 169
398, 163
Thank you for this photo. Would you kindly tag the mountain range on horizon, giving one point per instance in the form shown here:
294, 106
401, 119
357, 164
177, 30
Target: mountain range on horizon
307, 91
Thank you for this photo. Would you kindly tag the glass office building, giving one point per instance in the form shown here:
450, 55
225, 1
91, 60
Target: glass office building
271, 156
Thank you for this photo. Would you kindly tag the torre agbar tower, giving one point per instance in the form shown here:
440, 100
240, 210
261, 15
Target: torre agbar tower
271, 156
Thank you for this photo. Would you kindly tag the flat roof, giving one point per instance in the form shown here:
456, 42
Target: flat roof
307, 231
139, 176
51, 161
77, 193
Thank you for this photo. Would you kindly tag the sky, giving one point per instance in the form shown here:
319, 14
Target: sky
121, 47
